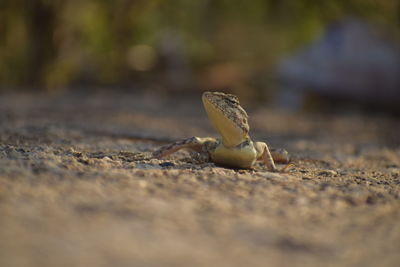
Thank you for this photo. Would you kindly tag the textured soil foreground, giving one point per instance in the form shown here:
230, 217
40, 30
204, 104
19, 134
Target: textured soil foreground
72, 193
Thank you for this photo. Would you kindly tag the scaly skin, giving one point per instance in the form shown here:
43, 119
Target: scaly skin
234, 148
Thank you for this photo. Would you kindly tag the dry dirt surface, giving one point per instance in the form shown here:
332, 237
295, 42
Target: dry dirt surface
73, 194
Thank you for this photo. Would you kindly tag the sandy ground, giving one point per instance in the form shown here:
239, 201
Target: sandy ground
72, 195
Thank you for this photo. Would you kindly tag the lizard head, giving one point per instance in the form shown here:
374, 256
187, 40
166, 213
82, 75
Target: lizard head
227, 117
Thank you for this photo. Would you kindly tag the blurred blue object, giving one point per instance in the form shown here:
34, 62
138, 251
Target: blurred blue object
351, 60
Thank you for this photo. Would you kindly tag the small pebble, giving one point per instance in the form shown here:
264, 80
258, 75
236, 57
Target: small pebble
327, 173
166, 164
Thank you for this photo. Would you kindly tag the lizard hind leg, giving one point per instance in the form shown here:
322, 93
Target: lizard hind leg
194, 143
280, 155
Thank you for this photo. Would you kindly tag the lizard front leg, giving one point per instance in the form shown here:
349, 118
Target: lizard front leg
193, 143
264, 154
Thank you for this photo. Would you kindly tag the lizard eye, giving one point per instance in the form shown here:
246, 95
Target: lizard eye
232, 98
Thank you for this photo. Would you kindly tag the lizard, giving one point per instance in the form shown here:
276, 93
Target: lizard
234, 148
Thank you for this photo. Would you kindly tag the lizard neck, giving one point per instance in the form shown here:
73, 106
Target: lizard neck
229, 143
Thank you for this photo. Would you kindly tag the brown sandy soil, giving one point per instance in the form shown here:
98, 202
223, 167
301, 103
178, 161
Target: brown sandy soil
72, 195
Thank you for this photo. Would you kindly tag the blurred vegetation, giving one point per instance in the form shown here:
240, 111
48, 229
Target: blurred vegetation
55, 44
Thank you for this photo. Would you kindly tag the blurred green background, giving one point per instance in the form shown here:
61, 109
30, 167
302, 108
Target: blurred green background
55, 45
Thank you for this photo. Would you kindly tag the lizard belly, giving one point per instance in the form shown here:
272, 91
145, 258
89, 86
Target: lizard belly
242, 157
